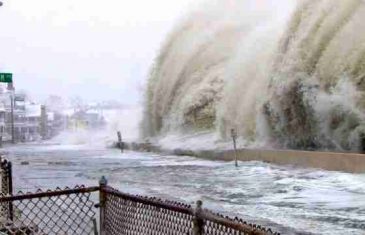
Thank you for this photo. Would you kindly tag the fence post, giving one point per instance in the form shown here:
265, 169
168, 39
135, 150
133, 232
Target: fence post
120, 141
234, 137
95, 225
3, 174
10, 175
198, 221
7, 184
4, 177
102, 198
10, 188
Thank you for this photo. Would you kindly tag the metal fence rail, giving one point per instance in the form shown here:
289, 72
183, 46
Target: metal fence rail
67, 211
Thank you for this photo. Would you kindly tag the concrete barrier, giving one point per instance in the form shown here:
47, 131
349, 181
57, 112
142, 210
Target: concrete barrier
346, 162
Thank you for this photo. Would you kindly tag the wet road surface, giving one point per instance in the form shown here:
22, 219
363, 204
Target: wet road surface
292, 200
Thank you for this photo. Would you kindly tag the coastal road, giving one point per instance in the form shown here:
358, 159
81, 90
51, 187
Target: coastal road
291, 200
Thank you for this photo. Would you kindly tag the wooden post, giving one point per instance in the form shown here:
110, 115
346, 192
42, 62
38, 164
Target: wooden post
102, 198
234, 137
120, 141
198, 222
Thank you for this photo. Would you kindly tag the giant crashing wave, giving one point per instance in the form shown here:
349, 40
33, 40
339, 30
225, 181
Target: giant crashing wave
288, 74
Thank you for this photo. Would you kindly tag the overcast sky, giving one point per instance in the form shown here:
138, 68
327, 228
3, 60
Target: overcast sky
97, 49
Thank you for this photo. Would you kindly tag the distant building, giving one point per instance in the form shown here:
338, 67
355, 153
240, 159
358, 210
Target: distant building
32, 120
30, 123
58, 121
2, 120
90, 119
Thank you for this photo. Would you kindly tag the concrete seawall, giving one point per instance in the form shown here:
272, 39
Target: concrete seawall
346, 162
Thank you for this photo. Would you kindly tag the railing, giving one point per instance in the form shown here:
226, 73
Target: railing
6, 176
6, 180
67, 211
128, 214
80, 211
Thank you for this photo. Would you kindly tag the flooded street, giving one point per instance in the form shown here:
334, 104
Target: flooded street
291, 200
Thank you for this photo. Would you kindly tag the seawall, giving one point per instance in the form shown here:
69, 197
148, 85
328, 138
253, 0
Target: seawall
332, 161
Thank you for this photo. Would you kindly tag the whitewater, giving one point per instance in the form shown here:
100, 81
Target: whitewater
289, 200
284, 74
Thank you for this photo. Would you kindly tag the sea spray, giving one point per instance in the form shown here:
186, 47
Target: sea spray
288, 74
125, 120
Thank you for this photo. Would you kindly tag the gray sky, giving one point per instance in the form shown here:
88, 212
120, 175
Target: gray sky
97, 49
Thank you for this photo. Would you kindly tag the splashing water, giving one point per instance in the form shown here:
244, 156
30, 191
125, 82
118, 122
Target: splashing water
289, 200
124, 120
284, 75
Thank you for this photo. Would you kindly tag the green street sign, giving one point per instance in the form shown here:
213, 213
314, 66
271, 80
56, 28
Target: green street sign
6, 77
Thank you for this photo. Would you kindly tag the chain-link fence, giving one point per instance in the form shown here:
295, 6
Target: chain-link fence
128, 214
215, 224
6, 176
58, 212
77, 211
6, 180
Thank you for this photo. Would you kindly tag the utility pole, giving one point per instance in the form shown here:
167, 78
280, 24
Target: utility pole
12, 116
11, 90
43, 123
